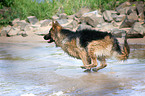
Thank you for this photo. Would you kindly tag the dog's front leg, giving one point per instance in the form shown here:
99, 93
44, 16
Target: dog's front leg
85, 59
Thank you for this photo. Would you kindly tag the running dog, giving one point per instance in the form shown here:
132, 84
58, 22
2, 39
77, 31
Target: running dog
88, 45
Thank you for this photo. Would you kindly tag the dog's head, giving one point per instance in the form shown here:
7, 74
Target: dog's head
56, 27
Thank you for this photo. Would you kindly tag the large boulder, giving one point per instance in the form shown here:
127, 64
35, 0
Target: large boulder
137, 31
122, 8
5, 31
127, 23
72, 25
62, 21
117, 32
83, 26
107, 16
32, 19
118, 18
90, 19
44, 23
63, 16
13, 32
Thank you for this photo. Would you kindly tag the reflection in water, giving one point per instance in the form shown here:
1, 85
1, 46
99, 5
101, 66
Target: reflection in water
42, 70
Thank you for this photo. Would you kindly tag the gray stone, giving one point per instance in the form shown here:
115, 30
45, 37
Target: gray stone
44, 23
89, 19
72, 25
127, 23
132, 16
32, 19
131, 10
107, 16
100, 20
137, 31
107, 27
118, 18
81, 12
117, 32
71, 16
62, 21
121, 7
137, 27
22, 24
55, 17
140, 8
63, 16
141, 16
5, 31
96, 12
13, 32
14, 22
25, 28
83, 26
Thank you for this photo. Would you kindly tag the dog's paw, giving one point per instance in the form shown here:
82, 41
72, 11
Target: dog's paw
95, 69
83, 67
87, 70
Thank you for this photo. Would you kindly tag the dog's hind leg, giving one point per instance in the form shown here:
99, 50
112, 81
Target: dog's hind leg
102, 64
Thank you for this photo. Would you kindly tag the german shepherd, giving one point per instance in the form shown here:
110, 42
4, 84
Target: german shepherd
88, 45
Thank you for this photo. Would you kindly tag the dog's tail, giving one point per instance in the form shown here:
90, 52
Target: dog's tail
125, 50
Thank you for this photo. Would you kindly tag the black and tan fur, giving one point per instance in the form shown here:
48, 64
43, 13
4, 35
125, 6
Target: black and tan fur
87, 45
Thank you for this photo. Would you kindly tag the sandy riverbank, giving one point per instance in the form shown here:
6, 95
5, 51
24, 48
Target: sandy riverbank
35, 38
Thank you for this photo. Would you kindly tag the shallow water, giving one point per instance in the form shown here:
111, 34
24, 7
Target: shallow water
41, 69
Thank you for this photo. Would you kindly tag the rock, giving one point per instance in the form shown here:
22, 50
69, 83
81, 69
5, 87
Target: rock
132, 16
25, 28
44, 23
89, 19
140, 8
32, 19
55, 17
118, 18
42, 31
63, 16
129, 20
137, 31
100, 20
81, 12
72, 25
117, 33
108, 15
131, 10
5, 31
127, 23
115, 24
141, 16
62, 21
13, 32
83, 26
21, 23
137, 27
96, 12
71, 16
121, 8
107, 27
14, 22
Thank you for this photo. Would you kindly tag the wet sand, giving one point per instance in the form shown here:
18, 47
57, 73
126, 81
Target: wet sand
35, 38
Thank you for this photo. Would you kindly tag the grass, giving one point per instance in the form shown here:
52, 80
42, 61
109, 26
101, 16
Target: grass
44, 10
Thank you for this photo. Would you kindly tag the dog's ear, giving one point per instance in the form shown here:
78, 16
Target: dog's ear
56, 25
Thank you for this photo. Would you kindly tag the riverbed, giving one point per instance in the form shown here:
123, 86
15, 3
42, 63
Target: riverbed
41, 69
